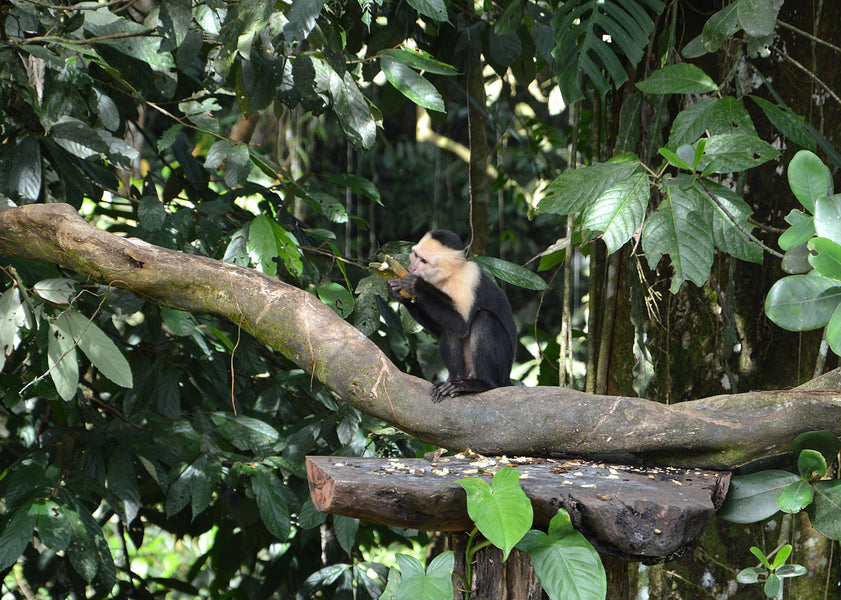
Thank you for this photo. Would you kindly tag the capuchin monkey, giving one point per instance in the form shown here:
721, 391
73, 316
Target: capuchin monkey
461, 306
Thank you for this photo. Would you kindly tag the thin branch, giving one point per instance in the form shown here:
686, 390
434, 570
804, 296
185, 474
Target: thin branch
84, 41
808, 35
811, 75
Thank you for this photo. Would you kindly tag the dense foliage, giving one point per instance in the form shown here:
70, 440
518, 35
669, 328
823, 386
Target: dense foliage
147, 451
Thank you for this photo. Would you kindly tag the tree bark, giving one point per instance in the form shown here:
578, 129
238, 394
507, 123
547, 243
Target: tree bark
719, 432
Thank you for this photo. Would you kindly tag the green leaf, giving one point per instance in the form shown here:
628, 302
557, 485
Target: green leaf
781, 557
575, 189
772, 586
17, 534
566, 564
122, 481
151, 213
78, 138
790, 571
345, 529
825, 442
358, 185
828, 217
825, 511
261, 245
619, 211
761, 556
434, 584
809, 179
719, 27
501, 511
271, 502
98, 347
713, 115
594, 41
302, 16
790, 124
735, 152
61, 358
680, 229
179, 322
801, 230
504, 49
434, 9
352, 109
13, 314
54, 528
753, 497
412, 85
194, 485
802, 302
795, 497
337, 297
174, 17
674, 159
727, 237
25, 172
825, 257
680, 78
421, 61
245, 433
757, 17
751, 575
511, 273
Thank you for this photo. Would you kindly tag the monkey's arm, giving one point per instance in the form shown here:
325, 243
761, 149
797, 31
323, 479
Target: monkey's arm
431, 307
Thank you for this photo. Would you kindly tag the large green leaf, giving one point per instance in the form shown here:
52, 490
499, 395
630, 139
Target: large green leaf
828, 217
582, 30
833, 331
566, 564
576, 189
353, 111
421, 61
719, 27
619, 211
801, 231
727, 236
752, 498
245, 433
802, 302
757, 17
790, 124
734, 152
174, 18
25, 173
501, 511
436, 583
411, 84
301, 16
825, 511
795, 497
12, 317
53, 524
272, 503
16, 534
680, 78
809, 179
98, 347
680, 228
122, 482
434, 9
511, 273
713, 115
61, 358
825, 257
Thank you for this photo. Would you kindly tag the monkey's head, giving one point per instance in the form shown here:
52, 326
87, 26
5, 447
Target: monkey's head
436, 256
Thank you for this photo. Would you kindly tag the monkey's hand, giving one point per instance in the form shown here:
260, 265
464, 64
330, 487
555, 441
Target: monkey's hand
403, 288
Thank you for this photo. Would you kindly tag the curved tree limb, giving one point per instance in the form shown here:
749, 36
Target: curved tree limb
719, 432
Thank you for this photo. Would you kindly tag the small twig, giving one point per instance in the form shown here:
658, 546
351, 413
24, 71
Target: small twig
811, 75
808, 35
84, 41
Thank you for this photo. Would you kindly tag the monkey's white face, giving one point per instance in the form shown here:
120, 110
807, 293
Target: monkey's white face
434, 262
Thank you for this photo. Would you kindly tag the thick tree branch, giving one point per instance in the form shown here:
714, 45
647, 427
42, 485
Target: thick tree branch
719, 432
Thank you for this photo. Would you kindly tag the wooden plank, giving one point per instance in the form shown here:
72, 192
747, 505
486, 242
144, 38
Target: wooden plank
636, 513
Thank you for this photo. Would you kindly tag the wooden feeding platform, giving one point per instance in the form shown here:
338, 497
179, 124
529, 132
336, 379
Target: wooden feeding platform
648, 514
